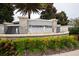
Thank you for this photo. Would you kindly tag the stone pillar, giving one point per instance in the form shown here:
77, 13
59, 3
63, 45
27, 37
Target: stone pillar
23, 25
54, 25
2, 29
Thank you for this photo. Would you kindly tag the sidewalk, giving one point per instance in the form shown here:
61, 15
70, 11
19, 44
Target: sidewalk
71, 53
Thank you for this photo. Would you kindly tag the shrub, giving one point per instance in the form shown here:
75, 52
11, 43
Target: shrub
20, 45
74, 30
54, 43
66, 42
7, 48
37, 44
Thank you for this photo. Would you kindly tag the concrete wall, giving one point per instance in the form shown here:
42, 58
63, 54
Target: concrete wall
40, 26
39, 29
33, 26
37, 25
12, 30
64, 28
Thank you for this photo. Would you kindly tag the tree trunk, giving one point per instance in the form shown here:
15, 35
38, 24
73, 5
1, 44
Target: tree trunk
29, 13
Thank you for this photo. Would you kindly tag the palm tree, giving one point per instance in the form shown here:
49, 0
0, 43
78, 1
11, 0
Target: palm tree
28, 8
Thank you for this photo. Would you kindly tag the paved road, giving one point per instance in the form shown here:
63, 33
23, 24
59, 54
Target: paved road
71, 53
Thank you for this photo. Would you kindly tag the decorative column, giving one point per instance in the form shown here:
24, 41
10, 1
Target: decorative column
2, 29
23, 25
54, 25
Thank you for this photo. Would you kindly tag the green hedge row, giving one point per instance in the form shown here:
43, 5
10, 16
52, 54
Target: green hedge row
21, 46
74, 30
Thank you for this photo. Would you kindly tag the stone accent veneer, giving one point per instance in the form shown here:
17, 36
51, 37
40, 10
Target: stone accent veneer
1, 29
54, 25
23, 25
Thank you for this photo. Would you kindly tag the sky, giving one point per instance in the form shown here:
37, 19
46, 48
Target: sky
71, 10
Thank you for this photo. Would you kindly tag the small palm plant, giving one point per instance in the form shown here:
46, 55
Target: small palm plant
28, 8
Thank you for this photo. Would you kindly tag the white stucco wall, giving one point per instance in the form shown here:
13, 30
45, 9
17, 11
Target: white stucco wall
40, 26
64, 28
39, 30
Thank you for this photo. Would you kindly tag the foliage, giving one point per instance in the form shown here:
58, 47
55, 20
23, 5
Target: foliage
74, 30
49, 12
74, 22
62, 18
69, 42
7, 48
20, 45
6, 12
44, 5
25, 8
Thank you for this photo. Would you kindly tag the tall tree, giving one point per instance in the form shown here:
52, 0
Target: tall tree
62, 18
49, 12
28, 8
6, 12
74, 22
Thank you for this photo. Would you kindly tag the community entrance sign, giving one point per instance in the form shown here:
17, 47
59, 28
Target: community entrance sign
26, 26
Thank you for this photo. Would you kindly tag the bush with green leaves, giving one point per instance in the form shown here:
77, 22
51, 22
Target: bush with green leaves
38, 44
42, 44
7, 48
74, 30
68, 42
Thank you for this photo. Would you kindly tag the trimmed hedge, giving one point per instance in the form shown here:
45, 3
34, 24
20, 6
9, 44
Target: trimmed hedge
74, 30
21, 46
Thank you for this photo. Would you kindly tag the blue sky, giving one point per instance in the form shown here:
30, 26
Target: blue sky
71, 9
